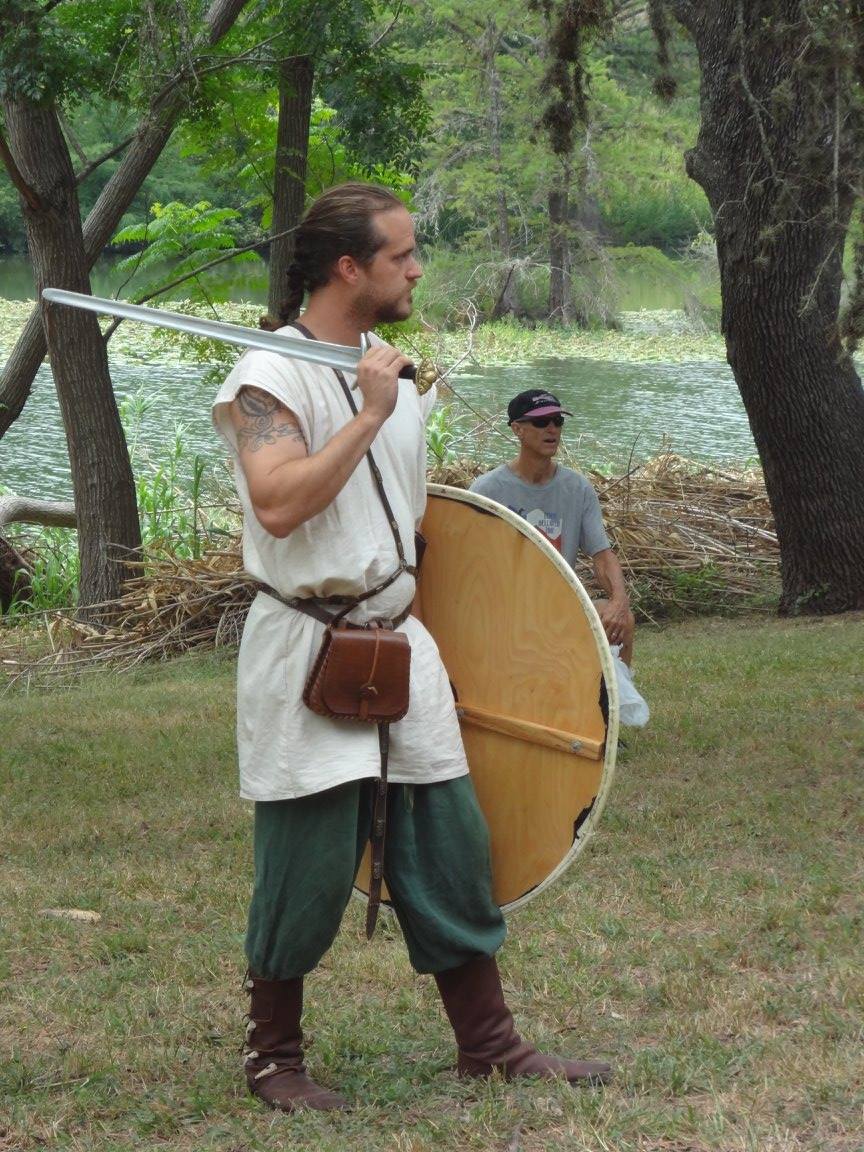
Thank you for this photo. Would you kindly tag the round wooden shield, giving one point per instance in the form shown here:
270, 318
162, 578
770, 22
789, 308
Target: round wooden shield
534, 680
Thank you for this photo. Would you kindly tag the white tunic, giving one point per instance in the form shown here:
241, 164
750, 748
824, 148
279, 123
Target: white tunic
285, 750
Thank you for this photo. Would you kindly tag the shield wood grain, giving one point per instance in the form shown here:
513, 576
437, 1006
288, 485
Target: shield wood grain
534, 684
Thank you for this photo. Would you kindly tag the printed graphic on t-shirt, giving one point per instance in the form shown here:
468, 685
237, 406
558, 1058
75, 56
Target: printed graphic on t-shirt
546, 523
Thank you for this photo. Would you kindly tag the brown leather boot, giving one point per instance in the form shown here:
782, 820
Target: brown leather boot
275, 1072
486, 1036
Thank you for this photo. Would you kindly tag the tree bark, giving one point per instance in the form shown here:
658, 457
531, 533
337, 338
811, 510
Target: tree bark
109, 533
15, 576
772, 158
154, 131
289, 186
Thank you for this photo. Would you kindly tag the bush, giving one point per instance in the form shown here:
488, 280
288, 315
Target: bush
665, 215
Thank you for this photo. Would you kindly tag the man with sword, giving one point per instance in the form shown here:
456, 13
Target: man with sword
315, 529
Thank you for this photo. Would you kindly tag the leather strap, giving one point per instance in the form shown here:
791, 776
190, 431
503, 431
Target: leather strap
378, 834
373, 468
315, 607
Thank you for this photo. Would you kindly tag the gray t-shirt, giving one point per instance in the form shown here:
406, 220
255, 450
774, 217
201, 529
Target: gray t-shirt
566, 509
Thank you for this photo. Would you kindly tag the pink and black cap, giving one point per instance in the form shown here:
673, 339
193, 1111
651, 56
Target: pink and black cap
533, 403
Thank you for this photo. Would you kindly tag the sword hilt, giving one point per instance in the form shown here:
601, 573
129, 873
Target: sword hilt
409, 372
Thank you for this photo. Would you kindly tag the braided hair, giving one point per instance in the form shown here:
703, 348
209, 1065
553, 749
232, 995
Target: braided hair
339, 223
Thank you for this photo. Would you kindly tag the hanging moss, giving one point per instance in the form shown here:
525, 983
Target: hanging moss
572, 23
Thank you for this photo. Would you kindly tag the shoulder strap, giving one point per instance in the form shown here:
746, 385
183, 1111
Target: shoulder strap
374, 469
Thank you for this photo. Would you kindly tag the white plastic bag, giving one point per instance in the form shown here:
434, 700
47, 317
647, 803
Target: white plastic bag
632, 707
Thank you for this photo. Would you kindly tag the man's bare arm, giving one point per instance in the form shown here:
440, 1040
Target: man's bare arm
260, 419
287, 485
608, 574
615, 613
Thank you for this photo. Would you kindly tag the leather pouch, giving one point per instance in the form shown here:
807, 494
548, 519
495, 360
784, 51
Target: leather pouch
360, 674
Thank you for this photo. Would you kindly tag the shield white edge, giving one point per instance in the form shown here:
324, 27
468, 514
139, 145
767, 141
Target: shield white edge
462, 496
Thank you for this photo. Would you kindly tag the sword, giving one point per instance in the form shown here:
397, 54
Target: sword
339, 356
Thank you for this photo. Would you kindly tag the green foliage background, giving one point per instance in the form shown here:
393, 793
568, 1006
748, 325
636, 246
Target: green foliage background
412, 112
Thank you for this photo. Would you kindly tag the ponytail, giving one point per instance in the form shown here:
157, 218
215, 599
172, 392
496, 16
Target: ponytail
290, 306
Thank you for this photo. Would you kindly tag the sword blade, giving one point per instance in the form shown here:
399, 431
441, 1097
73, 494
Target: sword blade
296, 347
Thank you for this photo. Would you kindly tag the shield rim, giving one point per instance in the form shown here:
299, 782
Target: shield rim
463, 496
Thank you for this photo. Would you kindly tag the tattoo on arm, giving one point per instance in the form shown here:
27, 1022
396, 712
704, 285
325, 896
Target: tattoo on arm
264, 420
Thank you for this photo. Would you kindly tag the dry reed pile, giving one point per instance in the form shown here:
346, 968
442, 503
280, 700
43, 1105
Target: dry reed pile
175, 605
690, 539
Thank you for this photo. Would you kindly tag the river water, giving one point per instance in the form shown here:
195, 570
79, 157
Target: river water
621, 408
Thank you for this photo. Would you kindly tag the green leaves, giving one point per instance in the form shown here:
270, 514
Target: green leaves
67, 53
35, 59
179, 241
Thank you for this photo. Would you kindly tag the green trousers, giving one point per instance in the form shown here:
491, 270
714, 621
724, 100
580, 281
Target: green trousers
436, 866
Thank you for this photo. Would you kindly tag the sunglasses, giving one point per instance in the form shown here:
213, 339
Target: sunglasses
545, 421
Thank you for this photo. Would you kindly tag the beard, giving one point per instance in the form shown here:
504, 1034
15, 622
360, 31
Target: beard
374, 309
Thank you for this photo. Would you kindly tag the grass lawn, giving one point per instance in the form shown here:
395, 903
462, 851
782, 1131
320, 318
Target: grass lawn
708, 942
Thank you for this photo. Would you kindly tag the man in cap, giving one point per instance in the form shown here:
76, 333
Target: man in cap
561, 504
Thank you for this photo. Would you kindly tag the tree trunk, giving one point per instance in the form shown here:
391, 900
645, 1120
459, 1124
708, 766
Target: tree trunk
507, 303
109, 533
153, 134
15, 577
289, 186
770, 158
560, 294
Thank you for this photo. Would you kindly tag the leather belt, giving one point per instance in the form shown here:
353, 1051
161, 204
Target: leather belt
378, 833
317, 608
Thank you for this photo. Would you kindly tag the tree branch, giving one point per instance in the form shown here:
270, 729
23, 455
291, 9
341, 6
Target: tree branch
50, 513
71, 139
222, 64
196, 272
100, 160
220, 260
387, 30
31, 197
